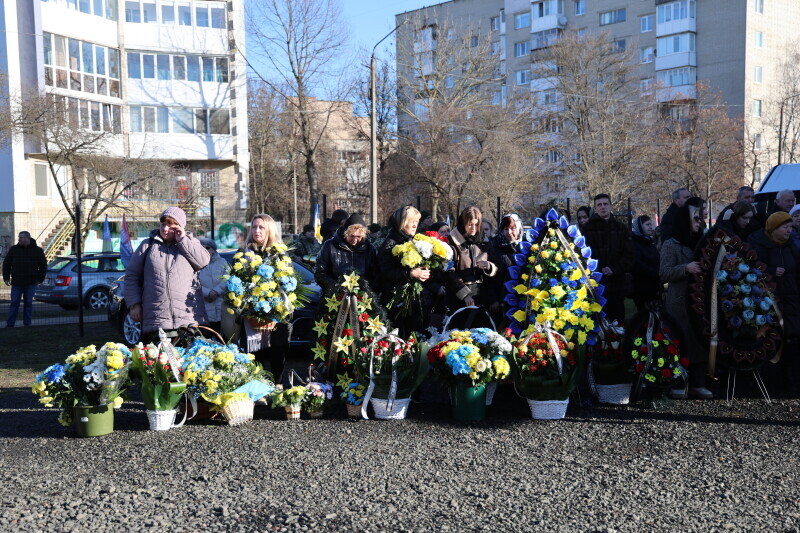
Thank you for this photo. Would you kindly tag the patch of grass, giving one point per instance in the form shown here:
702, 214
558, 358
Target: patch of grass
27, 351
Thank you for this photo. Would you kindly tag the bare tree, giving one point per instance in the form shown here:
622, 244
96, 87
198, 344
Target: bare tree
782, 112
300, 39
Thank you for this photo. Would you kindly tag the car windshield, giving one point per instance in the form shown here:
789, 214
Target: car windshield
58, 263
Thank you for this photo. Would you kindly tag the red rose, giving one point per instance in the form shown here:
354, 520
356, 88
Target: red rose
347, 332
666, 372
363, 317
643, 350
658, 337
684, 362
639, 368
363, 349
166, 367
672, 350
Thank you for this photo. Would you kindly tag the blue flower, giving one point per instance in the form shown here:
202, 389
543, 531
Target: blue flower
735, 275
745, 288
553, 282
536, 282
765, 304
235, 285
758, 291
751, 278
735, 321
263, 306
289, 283
52, 374
761, 320
727, 306
748, 302
722, 275
748, 314
265, 271
457, 362
744, 268
727, 289
241, 357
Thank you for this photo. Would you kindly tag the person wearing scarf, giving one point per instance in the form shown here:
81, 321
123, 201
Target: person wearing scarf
393, 274
647, 285
677, 266
472, 267
774, 247
504, 246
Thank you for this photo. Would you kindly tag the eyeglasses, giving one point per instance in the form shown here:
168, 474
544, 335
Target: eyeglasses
697, 219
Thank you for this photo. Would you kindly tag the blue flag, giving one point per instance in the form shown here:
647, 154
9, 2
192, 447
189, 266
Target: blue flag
125, 247
317, 224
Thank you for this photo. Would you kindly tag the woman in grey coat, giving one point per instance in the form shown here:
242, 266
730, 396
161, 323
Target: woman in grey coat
677, 265
214, 286
162, 288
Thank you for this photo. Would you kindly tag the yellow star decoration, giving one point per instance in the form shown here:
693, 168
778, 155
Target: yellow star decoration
320, 328
343, 380
350, 281
319, 351
374, 324
342, 344
331, 303
365, 304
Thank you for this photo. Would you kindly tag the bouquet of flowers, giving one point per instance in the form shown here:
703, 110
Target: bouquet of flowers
89, 377
546, 366
162, 382
318, 394
733, 298
214, 371
428, 251
554, 283
265, 290
478, 356
352, 393
607, 358
659, 361
293, 396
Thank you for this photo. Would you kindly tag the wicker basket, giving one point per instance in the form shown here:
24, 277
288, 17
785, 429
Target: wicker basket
548, 409
398, 411
292, 412
238, 412
491, 388
614, 394
161, 420
353, 411
316, 413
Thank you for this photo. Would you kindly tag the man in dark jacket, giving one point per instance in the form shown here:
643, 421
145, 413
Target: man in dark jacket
23, 269
331, 225
679, 197
306, 247
612, 246
745, 194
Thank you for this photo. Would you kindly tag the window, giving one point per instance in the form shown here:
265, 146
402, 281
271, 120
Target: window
612, 17
542, 9
208, 69
40, 172
179, 67
522, 77
646, 23
756, 108
758, 39
167, 13
148, 66
759, 6
183, 120
219, 122
494, 23
201, 16
149, 12
522, 48
677, 76
680, 10
162, 120
757, 175
543, 39
132, 12
619, 45
546, 98
757, 141
221, 69
646, 86
646, 54
217, 16
448, 82
522, 20
184, 15
193, 68
497, 48
162, 62
674, 44
580, 7
757, 74
134, 66
473, 41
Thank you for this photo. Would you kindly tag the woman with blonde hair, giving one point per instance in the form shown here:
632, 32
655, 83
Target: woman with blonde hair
472, 267
263, 234
393, 274
349, 250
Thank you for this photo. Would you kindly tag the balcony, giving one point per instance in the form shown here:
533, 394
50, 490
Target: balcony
681, 59
61, 20
677, 93
548, 22
676, 26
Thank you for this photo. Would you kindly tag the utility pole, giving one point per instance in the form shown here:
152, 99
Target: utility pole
373, 158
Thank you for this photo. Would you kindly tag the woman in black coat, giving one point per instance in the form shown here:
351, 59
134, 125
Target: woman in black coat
774, 247
504, 246
647, 284
347, 251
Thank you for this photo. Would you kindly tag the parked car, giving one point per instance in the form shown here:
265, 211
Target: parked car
302, 321
60, 285
781, 177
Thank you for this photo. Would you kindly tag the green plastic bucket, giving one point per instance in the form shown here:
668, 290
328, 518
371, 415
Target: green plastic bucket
93, 420
469, 403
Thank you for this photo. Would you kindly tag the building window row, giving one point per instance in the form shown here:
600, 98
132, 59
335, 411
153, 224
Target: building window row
144, 65
580, 7
646, 23
101, 8
677, 76
170, 13
543, 39
80, 65
150, 119
612, 17
522, 20
682, 9
675, 44
89, 115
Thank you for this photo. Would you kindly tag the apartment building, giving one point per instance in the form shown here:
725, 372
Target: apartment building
733, 46
164, 77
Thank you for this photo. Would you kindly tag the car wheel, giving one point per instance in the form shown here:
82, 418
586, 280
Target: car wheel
131, 330
96, 299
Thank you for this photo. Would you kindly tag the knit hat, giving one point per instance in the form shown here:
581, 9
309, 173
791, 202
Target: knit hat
211, 243
354, 219
794, 210
176, 213
777, 220
307, 228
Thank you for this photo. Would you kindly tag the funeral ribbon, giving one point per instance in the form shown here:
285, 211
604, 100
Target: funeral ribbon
348, 312
391, 337
714, 341
165, 344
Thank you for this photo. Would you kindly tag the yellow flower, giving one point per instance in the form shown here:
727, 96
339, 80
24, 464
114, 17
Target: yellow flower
525, 277
576, 275
237, 266
557, 291
237, 255
544, 254
230, 311
581, 337
118, 402
559, 257
521, 289
501, 367
519, 315
538, 269
553, 245
549, 314
535, 247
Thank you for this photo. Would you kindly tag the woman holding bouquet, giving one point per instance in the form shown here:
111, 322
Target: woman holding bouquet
468, 282
678, 264
395, 276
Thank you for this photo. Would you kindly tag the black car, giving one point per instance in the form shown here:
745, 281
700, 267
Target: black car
302, 321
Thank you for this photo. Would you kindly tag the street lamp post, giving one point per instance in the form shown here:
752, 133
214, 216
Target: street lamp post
373, 158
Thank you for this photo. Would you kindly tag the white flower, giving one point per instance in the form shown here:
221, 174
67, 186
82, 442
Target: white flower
483, 365
425, 249
163, 359
152, 352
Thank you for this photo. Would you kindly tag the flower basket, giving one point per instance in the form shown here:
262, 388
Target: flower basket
548, 409
316, 414
396, 411
262, 325
238, 412
353, 411
161, 420
93, 420
619, 394
292, 412
469, 403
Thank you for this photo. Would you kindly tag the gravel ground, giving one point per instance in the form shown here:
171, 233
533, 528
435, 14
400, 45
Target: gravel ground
705, 466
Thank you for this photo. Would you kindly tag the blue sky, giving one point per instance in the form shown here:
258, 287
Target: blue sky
370, 20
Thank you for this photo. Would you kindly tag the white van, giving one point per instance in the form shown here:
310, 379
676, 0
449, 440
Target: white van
779, 178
